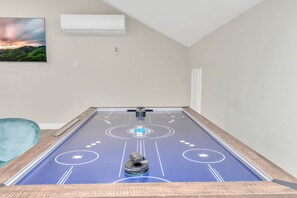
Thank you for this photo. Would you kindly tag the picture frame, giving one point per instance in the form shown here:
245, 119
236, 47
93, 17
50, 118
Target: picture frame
22, 40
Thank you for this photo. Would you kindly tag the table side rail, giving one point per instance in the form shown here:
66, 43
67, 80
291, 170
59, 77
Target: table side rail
125, 109
45, 153
199, 189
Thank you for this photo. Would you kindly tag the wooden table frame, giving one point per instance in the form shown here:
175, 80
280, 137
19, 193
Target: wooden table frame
282, 185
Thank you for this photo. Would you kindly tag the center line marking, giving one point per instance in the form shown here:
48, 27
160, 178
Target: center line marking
149, 117
171, 121
143, 149
122, 159
159, 159
140, 147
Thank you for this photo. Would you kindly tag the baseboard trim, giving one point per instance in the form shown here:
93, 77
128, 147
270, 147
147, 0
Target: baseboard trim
51, 125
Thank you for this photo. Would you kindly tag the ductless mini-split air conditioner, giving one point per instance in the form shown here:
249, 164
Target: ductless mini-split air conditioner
105, 25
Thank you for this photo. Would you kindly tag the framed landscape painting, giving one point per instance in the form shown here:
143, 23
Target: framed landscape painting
22, 40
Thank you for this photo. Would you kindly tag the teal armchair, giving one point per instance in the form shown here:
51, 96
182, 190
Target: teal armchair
17, 135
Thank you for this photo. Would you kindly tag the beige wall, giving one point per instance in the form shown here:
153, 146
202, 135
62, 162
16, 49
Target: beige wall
150, 69
250, 79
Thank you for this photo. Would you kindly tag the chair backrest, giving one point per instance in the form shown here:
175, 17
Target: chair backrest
17, 135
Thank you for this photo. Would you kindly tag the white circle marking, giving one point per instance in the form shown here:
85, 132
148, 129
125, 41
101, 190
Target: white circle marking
73, 164
197, 161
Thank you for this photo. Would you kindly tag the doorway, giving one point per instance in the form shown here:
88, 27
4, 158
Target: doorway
196, 88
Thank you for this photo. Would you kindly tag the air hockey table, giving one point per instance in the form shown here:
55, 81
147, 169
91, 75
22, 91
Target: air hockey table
187, 155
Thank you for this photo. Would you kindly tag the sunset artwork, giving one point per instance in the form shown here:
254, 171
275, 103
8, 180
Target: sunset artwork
22, 40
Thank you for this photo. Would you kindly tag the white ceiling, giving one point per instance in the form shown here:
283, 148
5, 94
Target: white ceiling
185, 21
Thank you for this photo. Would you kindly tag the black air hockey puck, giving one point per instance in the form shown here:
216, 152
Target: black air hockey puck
137, 165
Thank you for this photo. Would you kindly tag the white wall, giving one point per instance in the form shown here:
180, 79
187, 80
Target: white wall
250, 79
150, 70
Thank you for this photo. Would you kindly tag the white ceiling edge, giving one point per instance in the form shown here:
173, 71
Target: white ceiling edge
185, 21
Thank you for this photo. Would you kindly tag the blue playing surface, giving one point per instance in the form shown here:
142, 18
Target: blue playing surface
178, 150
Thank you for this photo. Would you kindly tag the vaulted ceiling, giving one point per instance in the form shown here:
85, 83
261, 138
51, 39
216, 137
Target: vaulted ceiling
185, 21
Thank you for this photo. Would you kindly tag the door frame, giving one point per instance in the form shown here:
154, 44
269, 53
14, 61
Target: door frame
196, 89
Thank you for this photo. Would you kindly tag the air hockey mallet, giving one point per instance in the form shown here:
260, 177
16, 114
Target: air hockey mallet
137, 165
140, 113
